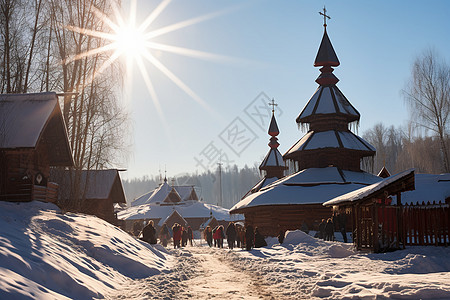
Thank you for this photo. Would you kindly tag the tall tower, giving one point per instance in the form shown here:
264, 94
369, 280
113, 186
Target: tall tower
326, 159
328, 116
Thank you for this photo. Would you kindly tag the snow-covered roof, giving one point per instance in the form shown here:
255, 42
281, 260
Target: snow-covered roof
330, 139
159, 194
192, 209
27, 118
328, 100
329, 175
272, 159
314, 185
175, 215
100, 184
24, 117
262, 183
429, 187
367, 191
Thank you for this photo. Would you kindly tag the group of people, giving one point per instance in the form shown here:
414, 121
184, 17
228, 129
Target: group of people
181, 235
236, 235
326, 227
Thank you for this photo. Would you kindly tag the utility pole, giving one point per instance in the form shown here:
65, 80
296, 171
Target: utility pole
220, 183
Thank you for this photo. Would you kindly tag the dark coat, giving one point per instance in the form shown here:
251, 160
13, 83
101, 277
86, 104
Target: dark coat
329, 231
249, 236
231, 231
322, 230
149, 234
259, 240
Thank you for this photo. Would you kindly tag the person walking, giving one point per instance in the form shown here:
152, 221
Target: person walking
322, 229
231, 235
216, 236
176, 232
208, 235
249, 237
149, 233
221, 236
184, 237
329, 230
190, 235
164, 235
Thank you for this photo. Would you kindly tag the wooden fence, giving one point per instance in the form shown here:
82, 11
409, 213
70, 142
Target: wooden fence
381, 228
426, 224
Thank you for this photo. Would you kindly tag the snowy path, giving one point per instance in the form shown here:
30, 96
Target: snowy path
198, 273
217, 279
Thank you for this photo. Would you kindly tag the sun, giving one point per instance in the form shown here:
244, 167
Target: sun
136, 44
130, 41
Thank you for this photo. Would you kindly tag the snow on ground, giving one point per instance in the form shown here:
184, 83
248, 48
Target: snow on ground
304, 267
45, 254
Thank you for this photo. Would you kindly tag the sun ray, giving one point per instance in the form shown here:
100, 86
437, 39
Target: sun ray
180, 25
112, 25
176, 80
154, 14
92, 52
150, 87
94, 33
191, 52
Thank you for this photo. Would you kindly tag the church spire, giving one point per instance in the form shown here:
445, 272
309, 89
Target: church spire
327, 116
326, 56
273, 163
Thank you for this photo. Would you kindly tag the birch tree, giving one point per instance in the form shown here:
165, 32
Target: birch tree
428, 96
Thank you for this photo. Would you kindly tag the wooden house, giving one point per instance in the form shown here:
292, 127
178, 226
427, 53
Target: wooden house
33, 138
95, 191
326, 161
175, 217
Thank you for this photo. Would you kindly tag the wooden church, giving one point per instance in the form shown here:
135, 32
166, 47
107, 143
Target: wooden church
326, 161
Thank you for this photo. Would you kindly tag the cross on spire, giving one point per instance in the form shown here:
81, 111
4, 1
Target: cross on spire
273, 104
325, 16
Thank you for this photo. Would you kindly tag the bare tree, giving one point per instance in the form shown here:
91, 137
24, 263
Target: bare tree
95, 121
40, 51
428, 94
388, 143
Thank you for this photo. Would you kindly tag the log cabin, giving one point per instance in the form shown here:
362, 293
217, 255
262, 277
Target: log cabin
94, 192
33, 138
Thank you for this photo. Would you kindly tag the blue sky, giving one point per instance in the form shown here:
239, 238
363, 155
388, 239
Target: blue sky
270, 47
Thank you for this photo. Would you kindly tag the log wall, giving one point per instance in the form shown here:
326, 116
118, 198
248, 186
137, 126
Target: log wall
271, 219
